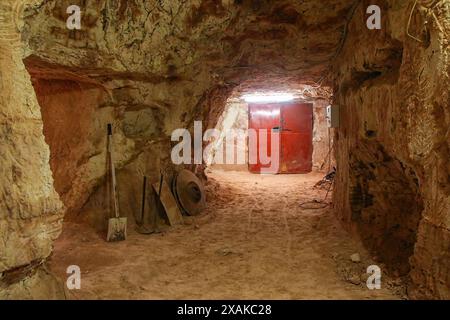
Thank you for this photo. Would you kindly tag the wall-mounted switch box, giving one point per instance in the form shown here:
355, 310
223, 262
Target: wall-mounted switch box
333, 116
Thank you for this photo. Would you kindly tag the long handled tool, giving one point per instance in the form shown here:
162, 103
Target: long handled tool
117, 226
155, 218
144, 196
142, 227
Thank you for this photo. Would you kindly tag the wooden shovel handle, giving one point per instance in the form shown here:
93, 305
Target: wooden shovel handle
113, 171
144, 193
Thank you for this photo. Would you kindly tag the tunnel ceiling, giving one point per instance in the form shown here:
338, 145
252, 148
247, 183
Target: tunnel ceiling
263, 44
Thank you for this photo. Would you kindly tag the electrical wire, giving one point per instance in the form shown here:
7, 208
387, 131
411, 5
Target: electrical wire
317, 204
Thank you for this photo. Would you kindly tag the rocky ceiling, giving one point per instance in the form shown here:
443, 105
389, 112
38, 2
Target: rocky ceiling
259, 43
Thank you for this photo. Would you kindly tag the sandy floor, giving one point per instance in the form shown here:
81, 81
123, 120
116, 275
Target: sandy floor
253, 242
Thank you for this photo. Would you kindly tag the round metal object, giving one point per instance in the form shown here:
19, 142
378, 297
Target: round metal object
190, 193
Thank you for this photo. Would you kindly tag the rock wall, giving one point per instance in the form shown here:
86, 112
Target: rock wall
75, 117
393, 145
323, 157
30, 209
235, 118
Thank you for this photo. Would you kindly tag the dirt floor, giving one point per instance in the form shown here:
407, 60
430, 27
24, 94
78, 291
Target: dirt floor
253, 242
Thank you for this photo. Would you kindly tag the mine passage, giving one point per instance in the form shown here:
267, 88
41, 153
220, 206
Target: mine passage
226, 149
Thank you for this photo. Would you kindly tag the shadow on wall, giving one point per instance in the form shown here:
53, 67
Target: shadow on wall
386, 205
75, 115
67, 108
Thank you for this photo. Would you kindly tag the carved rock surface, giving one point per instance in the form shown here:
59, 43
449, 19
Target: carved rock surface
393, 146
149, 67
30, 209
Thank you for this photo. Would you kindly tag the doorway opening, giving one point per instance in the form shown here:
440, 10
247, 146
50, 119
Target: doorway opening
260, 128
288, 129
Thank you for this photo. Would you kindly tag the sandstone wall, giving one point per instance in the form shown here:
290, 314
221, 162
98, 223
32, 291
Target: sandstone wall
30, 209
234, 117
323, 157
392, 149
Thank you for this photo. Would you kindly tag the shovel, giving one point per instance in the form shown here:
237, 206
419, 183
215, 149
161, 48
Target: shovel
117, 226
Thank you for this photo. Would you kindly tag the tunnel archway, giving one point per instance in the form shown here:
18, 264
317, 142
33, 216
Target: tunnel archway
151, 68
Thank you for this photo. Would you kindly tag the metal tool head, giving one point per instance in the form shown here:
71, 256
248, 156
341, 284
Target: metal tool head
190, 193
117, 229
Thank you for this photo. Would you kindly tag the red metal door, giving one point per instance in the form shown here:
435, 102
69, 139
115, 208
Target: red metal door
294, 121
296, 138
262, 118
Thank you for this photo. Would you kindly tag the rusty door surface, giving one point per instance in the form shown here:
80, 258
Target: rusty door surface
262, 117
294, 122
296, 138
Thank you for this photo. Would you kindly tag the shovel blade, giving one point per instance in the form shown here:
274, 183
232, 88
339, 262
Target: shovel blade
117, 229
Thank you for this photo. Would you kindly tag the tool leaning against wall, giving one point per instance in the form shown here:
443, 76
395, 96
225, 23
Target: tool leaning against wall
187, 196
117, 226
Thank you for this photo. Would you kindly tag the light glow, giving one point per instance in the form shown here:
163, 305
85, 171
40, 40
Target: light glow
266, 98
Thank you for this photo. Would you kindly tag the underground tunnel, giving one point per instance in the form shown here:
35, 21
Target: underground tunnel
224, 149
